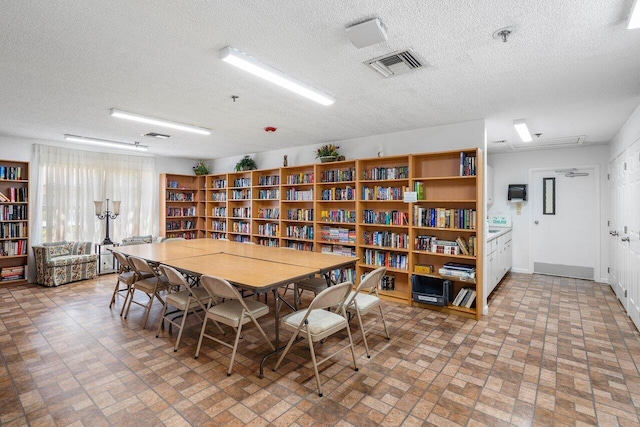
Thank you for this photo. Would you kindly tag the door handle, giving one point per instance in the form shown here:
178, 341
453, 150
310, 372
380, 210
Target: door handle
613, 233
625, 239
536, 222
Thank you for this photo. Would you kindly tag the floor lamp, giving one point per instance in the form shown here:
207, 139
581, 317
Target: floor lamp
107, 214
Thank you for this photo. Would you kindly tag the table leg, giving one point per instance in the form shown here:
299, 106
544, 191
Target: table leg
278, 304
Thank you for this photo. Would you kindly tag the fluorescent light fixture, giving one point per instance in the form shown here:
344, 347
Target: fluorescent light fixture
634, 16
255, 67
523, 130
105, 143
158, 122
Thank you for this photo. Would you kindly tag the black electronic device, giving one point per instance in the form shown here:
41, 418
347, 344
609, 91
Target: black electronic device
517, 191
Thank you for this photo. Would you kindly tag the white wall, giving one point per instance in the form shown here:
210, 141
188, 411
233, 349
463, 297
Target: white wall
513, 168
629, 134
438, 138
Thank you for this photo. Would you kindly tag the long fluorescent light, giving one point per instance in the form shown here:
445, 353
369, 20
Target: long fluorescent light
634, 16
105, 143
255, 67
158, 122
523, 130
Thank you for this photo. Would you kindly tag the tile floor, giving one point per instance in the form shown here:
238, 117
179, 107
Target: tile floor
552, 351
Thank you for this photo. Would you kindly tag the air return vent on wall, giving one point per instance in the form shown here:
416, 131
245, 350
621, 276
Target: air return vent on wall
396, 63
562, 142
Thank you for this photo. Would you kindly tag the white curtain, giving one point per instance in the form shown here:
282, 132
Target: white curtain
67, 182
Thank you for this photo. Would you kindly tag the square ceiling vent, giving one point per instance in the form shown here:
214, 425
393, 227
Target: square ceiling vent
396, 63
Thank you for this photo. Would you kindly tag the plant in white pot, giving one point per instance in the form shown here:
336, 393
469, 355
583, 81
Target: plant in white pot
328, 153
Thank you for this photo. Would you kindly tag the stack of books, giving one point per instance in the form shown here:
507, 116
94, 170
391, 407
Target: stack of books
459, 271
465, 298
12, 273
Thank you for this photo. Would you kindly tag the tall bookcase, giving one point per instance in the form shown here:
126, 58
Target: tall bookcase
216, 206
383, 223
265, 207
14, 222
357, 208
182, 206
297, 207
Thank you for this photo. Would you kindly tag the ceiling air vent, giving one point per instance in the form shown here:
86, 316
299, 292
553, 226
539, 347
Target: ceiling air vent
396, 63
569, 141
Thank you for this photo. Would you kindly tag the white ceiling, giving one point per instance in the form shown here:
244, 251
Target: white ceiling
570, 69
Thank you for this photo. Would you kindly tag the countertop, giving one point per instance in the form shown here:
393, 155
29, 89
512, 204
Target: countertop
498, 232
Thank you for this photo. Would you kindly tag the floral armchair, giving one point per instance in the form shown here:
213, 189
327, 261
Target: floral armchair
63, 262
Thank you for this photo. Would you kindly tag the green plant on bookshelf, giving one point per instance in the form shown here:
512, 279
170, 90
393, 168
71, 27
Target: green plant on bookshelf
328, 153
246, 164
201, 168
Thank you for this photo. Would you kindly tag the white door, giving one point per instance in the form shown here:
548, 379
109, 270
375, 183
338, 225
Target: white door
615, 180
566, 243
630, 239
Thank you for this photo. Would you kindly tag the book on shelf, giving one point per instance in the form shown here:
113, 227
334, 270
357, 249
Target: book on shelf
460, 296
466, 298
4, 198
423, 268
462, 243
471, 299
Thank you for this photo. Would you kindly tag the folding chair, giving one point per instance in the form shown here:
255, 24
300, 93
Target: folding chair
183, 298
315, 323
151, 285
359, 303
235, 311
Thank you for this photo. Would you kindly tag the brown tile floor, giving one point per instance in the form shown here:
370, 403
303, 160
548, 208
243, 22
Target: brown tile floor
552, 351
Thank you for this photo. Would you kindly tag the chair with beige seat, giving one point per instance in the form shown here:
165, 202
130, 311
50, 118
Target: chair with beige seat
150, 281
126, 276
184, 299
235, 311
315, 323
360, 303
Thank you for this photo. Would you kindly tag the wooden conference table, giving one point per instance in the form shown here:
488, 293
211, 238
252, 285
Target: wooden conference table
254, 267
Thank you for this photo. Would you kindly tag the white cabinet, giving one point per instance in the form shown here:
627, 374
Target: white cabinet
498, 259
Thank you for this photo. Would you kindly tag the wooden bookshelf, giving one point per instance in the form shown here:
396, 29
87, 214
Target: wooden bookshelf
14, 222
356, 208
182, 206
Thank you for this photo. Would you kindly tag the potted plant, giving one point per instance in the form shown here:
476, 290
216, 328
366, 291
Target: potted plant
201, 168
246, 164
328, 153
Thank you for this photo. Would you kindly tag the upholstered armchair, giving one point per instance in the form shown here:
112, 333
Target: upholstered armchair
63, 262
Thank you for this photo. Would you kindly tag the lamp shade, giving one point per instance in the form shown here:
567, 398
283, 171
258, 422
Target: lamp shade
116, 207
98, 207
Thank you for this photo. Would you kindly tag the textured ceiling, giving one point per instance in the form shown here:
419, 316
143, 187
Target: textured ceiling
570, 68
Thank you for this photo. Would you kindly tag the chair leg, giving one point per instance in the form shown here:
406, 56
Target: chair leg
204, 325
235, 345
384, 323
353, 349
148, 310
286, 350
161, 322
364, 337
315, 363
262, 332
115, 292
130, 296
185, 313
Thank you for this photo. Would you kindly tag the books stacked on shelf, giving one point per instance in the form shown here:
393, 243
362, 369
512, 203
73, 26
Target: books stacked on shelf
338, 250
418, 187
13, 248
467, 165
465, 298
12, 273
464, 246
444, 218
11, 173
459, 271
